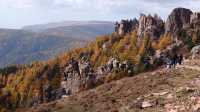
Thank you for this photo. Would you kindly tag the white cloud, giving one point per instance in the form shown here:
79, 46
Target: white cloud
38, 11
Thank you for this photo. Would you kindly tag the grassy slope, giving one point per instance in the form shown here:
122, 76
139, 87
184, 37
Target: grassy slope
122, 95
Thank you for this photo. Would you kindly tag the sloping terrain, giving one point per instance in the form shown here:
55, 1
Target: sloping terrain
20, 47
162, 90
25, 46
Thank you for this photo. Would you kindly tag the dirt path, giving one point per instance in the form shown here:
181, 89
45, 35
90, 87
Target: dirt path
194, 66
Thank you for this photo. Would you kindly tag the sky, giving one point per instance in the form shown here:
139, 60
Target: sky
19, 13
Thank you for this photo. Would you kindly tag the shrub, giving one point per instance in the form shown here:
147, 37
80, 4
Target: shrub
186, 39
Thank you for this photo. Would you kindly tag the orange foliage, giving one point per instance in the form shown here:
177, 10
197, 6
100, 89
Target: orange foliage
163, 42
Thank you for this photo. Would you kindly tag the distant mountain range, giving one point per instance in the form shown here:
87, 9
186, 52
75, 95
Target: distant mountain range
40, 42
69, 24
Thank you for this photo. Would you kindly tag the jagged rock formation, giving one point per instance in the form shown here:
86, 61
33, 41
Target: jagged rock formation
177, 20
77, 77
126, 26
114, 63
195, 20
154, 26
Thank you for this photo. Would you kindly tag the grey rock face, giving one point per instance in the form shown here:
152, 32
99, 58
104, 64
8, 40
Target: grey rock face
83, 78
115, 64
153, 26
126, 26
195, 20
195, 17
78, 76
177, 20
180, 19
195, 51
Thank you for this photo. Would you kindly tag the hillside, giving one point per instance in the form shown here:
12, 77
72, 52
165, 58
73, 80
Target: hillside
25, 46
162, 90
124, 70
20, 47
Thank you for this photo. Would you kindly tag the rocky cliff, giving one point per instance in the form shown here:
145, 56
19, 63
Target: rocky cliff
195, 21
154, 26
126, 26
179, 19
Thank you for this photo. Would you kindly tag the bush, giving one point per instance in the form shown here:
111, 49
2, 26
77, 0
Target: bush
186, 39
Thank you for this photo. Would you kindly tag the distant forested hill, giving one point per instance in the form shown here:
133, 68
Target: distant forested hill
40, 42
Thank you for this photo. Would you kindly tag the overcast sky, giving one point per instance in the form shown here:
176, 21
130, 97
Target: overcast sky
18, 13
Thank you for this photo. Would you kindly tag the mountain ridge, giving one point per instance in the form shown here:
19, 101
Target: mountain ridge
27, 46
43, 27
133, 69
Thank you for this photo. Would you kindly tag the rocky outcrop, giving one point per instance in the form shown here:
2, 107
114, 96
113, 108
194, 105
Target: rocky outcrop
195, 52
126, 26
153, 26
195, 17
177, 20
195, 20
115, 64
77, 76
180, 21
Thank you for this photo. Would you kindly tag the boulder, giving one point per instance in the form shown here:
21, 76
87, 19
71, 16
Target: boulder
116, 63
113, 63
146, 104
177, 20
105, 46
84, 68
195, 51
